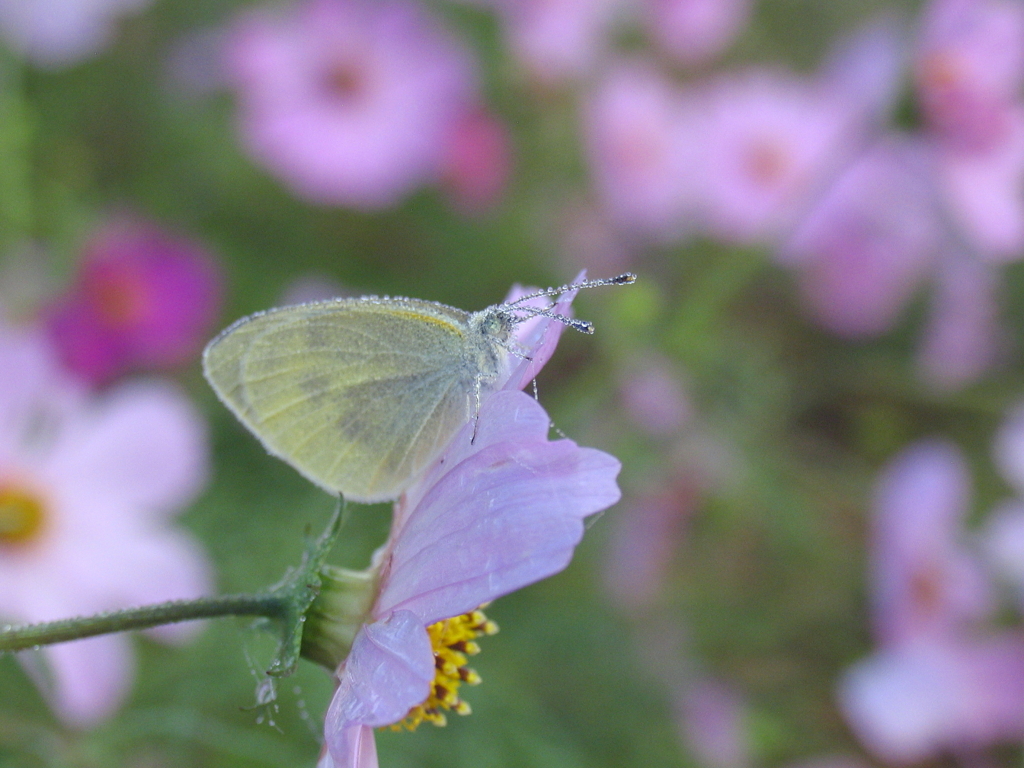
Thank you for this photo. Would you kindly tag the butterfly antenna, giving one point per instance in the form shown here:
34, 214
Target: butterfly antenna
583, 326
626, 278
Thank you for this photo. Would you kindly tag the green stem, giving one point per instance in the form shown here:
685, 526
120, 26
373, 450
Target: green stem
23, 637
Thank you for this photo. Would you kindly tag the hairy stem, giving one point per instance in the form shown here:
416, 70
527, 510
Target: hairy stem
23, 637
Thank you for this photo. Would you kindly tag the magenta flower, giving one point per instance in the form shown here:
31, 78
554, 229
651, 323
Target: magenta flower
870, 241
143, 298
477, 162
88, 487
56, 33
492, 514
349, 102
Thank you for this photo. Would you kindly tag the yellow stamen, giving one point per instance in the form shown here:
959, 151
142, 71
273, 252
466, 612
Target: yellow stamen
22, 515
452, 641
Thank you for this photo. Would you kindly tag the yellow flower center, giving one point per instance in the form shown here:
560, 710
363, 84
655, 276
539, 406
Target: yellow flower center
453, 641
22, 515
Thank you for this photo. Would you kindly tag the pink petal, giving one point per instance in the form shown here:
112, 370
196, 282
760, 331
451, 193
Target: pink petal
867, 244
983, 191
90, 678
362, 749
925, 581
143, 445
912, 702
694, 31
1002, 540
963, 335
644, 140
538, 336
507, 516
713, 722
34, 395
901, 702
388, 671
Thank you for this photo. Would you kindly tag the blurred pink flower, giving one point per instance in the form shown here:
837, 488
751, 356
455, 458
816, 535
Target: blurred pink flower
87, 489
963, 335
57, 33
493, 514
925, 582
695, 31
1008, 449
349, 102
1002, 536
939, 680
969, 68
713, 724
557, 40
865, 69
143, 298
477, 161
1002, 541
648, 534
870, 241
984, 189
912, 702
643, 144
771, 139
653, 396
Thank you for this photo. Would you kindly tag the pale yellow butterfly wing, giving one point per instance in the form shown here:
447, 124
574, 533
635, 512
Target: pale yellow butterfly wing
357, 394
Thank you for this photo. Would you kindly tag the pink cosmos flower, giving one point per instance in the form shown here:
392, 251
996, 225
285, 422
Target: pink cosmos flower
643, 141
492, 517
1002, 542
969, 68
909, 703
1002, 536
925, 581
493, 514
771, 139
144, 298
557, 40
696, 31
865, 69
349, 102
984, 190
87, 490
56, 33
939, 680
870, 241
